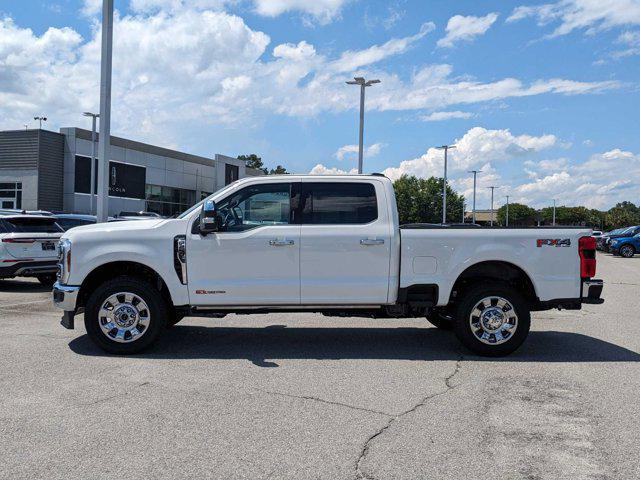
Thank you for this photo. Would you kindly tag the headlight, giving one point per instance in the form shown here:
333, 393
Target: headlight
64, 260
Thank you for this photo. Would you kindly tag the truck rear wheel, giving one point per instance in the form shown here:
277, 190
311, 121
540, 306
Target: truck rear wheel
492, 320
125, 315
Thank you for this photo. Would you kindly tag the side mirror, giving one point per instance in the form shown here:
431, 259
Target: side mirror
209, 220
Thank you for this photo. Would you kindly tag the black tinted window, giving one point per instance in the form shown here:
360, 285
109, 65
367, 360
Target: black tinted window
338, 203
255, 206
67, 223
32, 225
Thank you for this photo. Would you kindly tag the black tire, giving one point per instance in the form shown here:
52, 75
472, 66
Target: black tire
173, 318
627, 251
440, 319
148, 294
47, 279
466, 305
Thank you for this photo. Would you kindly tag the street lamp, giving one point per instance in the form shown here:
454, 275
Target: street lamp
475, 174
444, 183
40, 119
102, 210
363, 84
93, 116
492, 189
507, 222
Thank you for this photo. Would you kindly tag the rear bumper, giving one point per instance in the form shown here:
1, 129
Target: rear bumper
65, 297
591, 293
27, 269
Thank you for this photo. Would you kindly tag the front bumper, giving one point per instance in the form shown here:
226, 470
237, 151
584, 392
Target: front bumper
591, 291
65, 297
27, 269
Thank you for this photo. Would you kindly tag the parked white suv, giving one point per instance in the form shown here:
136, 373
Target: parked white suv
329, 244
28, 246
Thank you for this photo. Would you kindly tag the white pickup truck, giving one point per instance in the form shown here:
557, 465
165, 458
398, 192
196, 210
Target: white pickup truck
328, 244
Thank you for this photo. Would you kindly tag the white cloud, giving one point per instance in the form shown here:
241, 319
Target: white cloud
178, 72
322, 10
477, 147
631, 40
320, 169
352, 60
351, 151
461, 28
588, 15
595, 183
440, 116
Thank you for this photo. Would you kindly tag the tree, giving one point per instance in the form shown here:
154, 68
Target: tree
279, 170
253, 161
420, 200
519, 215
624, 214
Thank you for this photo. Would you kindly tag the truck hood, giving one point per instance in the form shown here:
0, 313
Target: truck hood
112, 227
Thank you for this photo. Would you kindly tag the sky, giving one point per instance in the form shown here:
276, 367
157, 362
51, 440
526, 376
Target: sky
542, 97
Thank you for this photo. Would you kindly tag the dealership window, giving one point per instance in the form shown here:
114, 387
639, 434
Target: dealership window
327, 203
231, 173
11, 195
168, 201
125, 180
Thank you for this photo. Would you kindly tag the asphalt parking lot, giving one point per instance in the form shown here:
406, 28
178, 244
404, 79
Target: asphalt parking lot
308, 397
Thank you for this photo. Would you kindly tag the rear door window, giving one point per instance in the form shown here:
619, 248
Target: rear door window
32, 225
339, 203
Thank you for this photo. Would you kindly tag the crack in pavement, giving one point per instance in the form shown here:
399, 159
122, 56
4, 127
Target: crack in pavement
360, 475
329, 402
111, 397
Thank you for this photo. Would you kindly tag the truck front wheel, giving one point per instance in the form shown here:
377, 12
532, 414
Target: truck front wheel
125, 315
492, 320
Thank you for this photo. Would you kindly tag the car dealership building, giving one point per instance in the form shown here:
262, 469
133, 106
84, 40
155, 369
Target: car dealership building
44, 170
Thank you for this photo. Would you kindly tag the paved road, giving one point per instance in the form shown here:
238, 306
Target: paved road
307, 397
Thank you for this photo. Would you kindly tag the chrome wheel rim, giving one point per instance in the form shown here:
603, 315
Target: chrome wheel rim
625, 251
124, 317
493, 320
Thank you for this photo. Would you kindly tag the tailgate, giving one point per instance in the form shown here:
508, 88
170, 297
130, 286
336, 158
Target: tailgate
26, 246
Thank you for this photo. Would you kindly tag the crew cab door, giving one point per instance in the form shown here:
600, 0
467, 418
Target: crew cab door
255, 257
346, 242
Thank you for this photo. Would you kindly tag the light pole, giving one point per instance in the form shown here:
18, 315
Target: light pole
446, 149
507, 222
102, 211
492, 189
363, 84
40, 119
93, 116
475, 174
553, 222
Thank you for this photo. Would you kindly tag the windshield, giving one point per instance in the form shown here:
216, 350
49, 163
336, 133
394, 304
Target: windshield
199, 204
32, 225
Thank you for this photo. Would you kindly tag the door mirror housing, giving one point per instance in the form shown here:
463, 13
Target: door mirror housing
209, 219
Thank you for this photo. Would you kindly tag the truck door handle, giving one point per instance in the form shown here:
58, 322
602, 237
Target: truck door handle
281, 243
372, 241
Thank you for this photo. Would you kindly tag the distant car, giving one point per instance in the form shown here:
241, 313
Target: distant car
70, 220
626, 246
29, 246
620, 233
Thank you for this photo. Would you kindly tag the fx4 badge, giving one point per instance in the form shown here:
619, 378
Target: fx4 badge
553, 242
